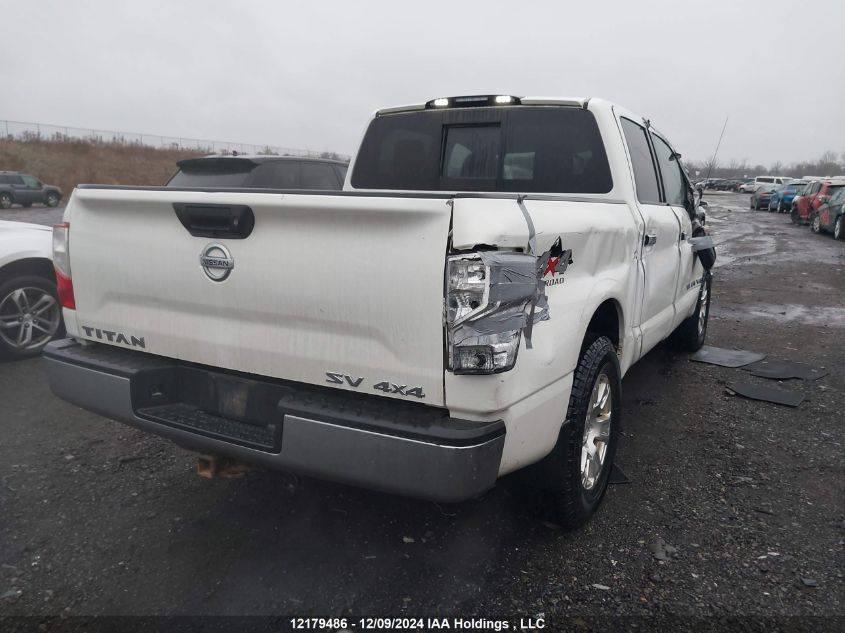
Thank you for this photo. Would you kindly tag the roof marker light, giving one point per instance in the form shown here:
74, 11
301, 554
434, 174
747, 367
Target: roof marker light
440, 103
504, 99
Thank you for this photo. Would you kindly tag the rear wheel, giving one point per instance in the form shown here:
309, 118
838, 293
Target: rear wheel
30, 316
576, 472
839, 228
751, 204
5, 200
780, 206
52, 199
793, 215
816, 223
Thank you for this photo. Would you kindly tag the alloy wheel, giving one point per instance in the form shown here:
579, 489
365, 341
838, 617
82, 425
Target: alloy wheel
596, 432
703, 308
29, 318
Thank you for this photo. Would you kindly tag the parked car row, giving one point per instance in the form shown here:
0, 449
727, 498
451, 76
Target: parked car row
819, 202
820, 205
830, 216
741, 185
776, 197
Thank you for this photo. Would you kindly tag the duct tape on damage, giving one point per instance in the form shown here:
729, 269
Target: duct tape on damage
701, 243
518, 291
704, 247
513, 276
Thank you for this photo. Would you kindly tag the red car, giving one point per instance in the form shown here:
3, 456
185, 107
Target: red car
815, 194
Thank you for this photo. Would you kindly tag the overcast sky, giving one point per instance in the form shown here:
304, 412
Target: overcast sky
308, 74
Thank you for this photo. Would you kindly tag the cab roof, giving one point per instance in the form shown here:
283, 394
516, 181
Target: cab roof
482, 101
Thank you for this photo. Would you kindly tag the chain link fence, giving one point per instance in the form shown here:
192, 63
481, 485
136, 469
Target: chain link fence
29, 131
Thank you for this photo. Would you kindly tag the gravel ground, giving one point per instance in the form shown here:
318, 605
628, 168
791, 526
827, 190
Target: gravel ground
735, 507
36, 214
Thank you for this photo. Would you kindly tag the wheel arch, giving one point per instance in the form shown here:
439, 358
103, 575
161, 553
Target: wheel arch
39, 266
608, 319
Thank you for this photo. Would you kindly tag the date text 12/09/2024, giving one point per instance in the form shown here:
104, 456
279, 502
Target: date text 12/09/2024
416, 624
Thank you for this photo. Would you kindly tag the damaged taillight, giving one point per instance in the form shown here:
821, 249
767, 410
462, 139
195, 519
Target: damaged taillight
468, 288
488, 300
61, 264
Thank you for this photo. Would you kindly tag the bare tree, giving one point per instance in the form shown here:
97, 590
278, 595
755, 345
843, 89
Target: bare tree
710, 166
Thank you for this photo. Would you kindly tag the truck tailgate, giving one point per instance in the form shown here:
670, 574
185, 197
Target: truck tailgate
351, 285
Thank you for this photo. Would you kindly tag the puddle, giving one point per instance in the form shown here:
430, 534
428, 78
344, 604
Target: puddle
830, 316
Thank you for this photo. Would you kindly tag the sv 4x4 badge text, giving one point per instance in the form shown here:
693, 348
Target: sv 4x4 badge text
337, 378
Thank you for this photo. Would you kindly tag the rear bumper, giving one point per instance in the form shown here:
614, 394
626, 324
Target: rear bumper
367, 441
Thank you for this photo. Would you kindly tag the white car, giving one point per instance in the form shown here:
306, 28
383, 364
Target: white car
30, 315
465, 308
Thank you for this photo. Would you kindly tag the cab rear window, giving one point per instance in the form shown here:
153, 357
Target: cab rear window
214, 172
521, 149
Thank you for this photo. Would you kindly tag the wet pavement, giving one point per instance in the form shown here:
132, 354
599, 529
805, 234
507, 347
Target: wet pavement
735, 507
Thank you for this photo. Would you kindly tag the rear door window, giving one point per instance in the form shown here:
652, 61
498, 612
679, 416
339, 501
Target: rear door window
276, 174
319, 176
645, 171
213, 173
341, 173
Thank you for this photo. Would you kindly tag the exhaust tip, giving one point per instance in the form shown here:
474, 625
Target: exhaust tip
211, 466
208, 466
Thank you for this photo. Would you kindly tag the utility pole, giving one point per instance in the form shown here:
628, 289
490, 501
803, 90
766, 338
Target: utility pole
713, 160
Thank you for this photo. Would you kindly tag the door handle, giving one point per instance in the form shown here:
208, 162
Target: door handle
650, 239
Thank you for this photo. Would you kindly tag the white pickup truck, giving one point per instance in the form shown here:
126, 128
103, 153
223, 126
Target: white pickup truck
464, 308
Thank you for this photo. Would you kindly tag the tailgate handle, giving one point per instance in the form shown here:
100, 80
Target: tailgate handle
233, 221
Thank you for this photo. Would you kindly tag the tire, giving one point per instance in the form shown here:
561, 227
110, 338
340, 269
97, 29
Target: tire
689, 336
839, 228
751, 204
35, 299
52, 199
793, 215
5, 200
571, 493
780, 206
816, 223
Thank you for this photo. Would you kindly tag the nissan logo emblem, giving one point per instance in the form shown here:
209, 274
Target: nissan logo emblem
217, 262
